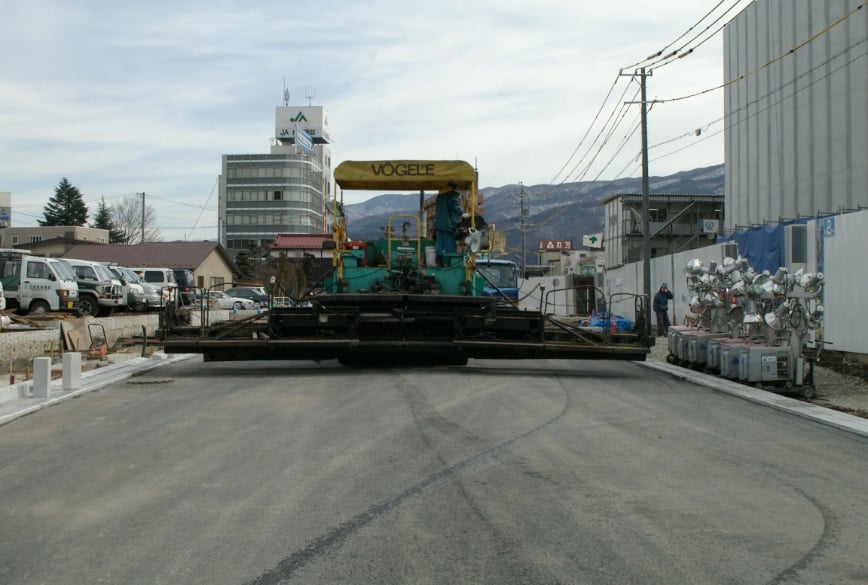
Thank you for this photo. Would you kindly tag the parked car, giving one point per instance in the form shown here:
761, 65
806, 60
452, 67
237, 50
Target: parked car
152, 299
254, 293
186, 285
132, 291
161, 278
220, 300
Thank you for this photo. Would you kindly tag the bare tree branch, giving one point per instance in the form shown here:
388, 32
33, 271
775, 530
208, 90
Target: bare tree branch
127, 217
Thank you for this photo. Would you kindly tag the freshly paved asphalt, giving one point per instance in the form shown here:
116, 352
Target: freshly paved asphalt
508, 473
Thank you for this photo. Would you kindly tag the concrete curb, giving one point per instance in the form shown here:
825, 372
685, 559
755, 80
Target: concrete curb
827, 416
15, 401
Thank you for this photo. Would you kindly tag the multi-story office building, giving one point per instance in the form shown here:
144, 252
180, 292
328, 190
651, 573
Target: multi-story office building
285, 191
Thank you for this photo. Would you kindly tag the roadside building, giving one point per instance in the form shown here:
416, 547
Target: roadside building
676, 223
210, 263
285, 191
51, 241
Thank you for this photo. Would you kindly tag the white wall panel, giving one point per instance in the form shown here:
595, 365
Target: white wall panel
845, 267
797, 123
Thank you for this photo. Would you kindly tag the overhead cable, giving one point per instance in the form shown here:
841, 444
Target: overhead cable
769, 63
681, 36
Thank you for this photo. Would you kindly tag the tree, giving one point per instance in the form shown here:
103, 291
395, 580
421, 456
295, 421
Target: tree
103, 221
244, 264
289, 277
66, 207
127, 217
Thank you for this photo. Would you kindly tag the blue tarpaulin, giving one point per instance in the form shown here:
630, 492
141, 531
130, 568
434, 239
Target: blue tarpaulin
605, 320
764, 246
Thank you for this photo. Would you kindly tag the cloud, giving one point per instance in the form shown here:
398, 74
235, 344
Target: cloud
123, 97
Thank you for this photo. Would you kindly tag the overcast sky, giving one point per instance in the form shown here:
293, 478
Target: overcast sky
122, 97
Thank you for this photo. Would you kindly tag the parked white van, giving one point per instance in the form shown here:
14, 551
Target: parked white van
163, 278
37, 285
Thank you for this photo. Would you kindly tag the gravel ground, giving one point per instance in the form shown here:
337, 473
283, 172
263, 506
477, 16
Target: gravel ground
840, 383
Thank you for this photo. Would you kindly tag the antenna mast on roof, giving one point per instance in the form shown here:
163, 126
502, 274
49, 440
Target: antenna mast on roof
285, 93
309, 93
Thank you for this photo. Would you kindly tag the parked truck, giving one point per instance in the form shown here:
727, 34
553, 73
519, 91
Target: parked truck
99, 291
388, 300
37, 285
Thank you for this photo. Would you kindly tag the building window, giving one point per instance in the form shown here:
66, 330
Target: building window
14, 240
34, 239
278, 195
799, 244
658, 215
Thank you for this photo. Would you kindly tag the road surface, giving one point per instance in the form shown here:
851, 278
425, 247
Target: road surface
549, 472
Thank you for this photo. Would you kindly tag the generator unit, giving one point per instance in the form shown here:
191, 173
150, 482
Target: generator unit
756, 327
697, 347
765, 364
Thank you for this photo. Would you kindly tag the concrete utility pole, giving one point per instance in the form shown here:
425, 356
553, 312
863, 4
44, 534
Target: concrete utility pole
646, 236
522, 197
143, 217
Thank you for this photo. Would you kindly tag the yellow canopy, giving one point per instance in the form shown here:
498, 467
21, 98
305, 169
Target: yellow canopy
400, 175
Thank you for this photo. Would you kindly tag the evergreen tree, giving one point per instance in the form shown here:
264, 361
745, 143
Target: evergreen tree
66, 207
103, 221
244, 264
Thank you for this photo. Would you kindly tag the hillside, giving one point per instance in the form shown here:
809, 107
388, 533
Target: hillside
556, 212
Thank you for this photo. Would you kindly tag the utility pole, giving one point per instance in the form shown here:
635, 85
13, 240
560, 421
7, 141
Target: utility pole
143, 217
646, 240
522, 197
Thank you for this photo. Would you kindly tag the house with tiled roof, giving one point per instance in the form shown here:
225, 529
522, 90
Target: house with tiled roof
297, 246
210, 263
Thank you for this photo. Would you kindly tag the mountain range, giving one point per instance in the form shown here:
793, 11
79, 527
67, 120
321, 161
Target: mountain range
565, 211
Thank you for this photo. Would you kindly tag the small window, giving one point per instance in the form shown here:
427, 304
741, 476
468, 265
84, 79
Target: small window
278, 195
658, 215
14, 240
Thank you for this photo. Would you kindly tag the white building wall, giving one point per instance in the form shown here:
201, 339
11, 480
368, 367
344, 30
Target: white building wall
796, 142
841, 258
841, 255
623, 281
549, 294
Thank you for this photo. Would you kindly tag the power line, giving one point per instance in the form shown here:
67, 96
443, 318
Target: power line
679, 53
620, 109
681, 36
784, 98
182, 203
206, 204
588, 131
769, 63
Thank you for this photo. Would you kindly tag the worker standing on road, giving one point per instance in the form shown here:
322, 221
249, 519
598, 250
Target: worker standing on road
448, 213
661, 309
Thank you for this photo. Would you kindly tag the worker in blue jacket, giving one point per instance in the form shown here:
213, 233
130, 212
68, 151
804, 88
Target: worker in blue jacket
661, 309
447, 214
